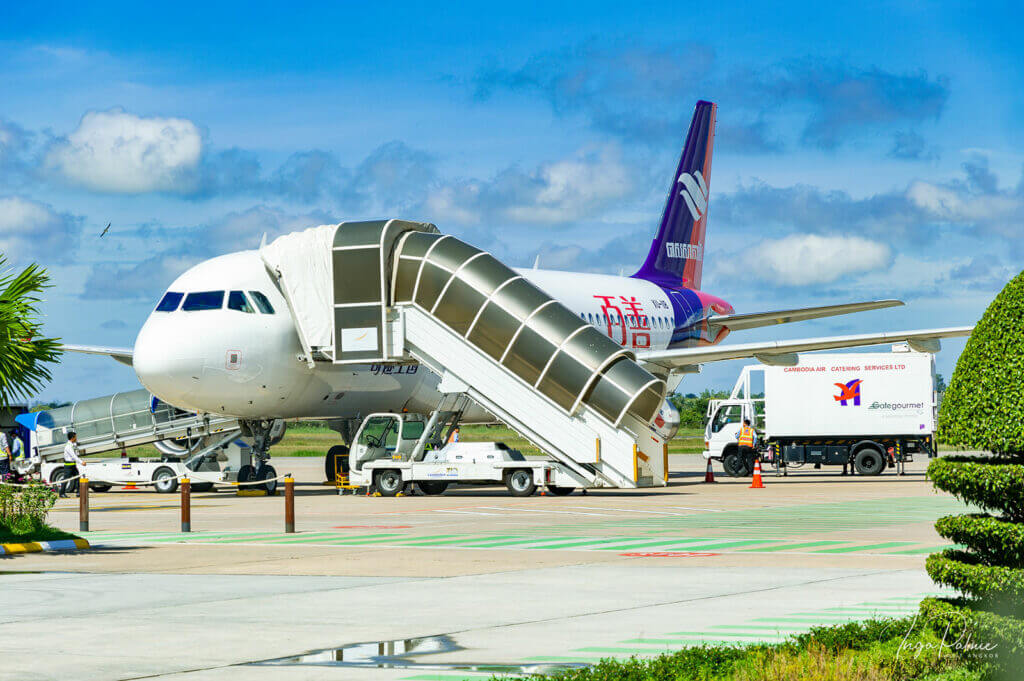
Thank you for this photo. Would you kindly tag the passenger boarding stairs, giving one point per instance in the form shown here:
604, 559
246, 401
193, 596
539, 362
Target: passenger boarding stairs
116, 422
404, 292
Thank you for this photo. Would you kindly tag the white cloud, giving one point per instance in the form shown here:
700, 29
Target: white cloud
118, 152
33, 231
553, 193
808, 259
954, 204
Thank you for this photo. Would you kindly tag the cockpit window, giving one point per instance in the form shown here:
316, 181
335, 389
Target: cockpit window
170, 302
203, 300
238, 301
261, 302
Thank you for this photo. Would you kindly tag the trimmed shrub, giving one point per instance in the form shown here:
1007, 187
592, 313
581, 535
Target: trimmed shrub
990, 484
992, 539
983, 408
23, 509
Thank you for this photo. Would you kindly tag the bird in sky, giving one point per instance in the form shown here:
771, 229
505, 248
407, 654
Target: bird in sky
105, 230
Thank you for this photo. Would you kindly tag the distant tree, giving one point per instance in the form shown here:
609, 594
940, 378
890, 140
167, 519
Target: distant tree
693, 408
940, 383
23, 354
983, 408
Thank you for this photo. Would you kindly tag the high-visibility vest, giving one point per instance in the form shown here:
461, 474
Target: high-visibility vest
746, 436
21, 451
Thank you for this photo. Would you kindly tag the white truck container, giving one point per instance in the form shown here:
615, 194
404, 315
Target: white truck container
862, 410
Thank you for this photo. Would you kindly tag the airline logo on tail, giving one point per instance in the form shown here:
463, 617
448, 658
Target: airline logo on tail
694, 193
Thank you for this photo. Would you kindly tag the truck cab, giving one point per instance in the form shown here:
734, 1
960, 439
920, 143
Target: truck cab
724, 418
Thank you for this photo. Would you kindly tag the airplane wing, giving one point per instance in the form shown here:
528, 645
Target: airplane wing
122, 355
737, 322
784, 352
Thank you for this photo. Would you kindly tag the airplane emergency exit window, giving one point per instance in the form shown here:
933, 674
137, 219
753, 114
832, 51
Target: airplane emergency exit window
203, 300
262, 302
238, 301
170, 302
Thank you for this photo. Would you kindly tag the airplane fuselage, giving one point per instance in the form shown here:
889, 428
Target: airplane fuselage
232, 357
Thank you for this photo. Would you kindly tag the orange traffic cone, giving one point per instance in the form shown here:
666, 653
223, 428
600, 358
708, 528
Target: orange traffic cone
130, 485
709, 474
757, 484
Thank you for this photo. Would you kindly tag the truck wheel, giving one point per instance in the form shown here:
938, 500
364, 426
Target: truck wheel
57, 476
734, 465
330, 462
869, 461
561, 491
433, 487
165, 479
389, 482
246, 474
520, 483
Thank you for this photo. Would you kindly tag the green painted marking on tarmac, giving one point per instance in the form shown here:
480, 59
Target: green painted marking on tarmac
792, 547
745, 627
823, 621
866, 547
610, 649
318, 536
573, 544
924, 549
196, 537
462, 539
532, 540
735, 634
664, 542
447, 677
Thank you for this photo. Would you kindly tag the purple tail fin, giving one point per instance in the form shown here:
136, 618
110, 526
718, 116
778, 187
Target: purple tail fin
677, 254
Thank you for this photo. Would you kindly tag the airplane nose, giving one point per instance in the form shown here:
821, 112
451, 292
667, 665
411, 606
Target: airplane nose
166, 363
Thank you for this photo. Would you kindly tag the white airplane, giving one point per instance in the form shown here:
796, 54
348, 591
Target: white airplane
224, 339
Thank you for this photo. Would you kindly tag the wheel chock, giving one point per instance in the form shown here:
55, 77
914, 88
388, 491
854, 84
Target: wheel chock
251, 492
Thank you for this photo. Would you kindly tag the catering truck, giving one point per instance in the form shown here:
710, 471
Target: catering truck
868, 411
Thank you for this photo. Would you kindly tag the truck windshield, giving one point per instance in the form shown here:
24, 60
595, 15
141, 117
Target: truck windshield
380, 431
725, 415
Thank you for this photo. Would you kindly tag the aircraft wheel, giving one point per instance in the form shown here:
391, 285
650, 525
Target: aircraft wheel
267, 473
433, 487
561, 491
520, 483
246, 473
869, 461
389, 482
330, 462
165, 479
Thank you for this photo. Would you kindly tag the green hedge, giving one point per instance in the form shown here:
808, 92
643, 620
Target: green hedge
981, 408
997, 542
999, 588
985, 482
970, 632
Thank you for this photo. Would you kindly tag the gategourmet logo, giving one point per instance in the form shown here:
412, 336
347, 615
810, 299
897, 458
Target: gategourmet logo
848, 391
694, 193
896, 406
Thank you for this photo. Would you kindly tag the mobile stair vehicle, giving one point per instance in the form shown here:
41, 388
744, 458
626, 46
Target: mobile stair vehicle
397, 292
395, 452
866, 410
207, 448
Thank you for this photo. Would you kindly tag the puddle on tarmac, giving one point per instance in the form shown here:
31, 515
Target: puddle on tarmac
403, 654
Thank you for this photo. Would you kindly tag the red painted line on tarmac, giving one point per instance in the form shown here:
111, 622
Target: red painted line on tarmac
668, 554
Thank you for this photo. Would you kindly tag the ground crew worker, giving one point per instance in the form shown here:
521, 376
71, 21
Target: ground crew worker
5, 454
72, 461
17, 446
747, 440
454, 437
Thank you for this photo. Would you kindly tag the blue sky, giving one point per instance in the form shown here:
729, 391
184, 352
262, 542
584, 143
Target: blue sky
868, 153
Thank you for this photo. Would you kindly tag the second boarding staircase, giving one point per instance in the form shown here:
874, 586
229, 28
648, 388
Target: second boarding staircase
398, 291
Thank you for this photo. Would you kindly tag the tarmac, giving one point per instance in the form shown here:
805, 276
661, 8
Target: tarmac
464, 585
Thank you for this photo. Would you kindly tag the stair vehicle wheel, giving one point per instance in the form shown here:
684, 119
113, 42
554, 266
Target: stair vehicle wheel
99, 488
330, 461
732, 464
166, 480
267, 473
246, 474
433, 487
561, 491
520, 482
869, 461
58, 475
389, 482
201, 486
